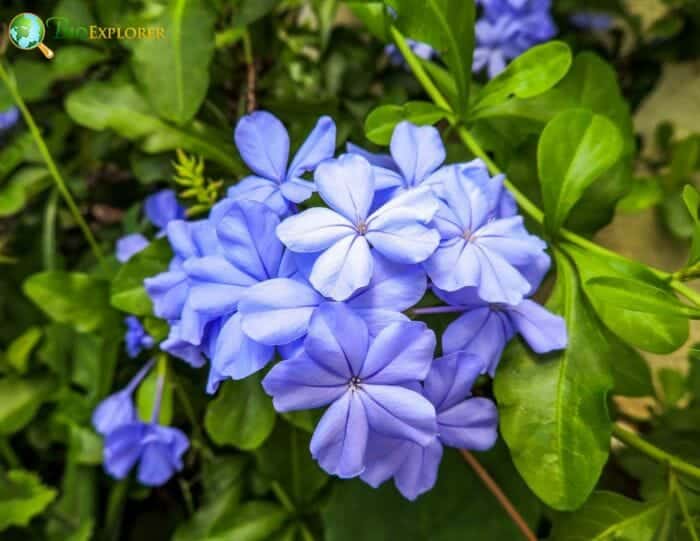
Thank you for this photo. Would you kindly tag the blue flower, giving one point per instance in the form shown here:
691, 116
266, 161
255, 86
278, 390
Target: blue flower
137, 339
484, 329
507, 29
478, 248
157, 449
346, 236
277, 312
421, 50
118, 408
130, 245
8, 118
162, 207
464, 422
368, 383
591, 20
263, 143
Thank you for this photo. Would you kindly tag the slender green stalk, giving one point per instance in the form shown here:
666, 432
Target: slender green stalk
523, 201
676, 464
48, 237
8, 453
683, 504
50, 164
115, 508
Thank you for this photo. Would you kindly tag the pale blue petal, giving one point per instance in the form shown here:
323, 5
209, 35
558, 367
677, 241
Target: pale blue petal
451, 379
419, 470
319, 146
472, 424
297, 190
347, 186
314, 230
417, 151
263, 143
258, 189
384, 161
130, 245
542, 330
163, 207
343, 268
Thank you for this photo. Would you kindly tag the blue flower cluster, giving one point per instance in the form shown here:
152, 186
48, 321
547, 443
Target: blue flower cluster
157, 449
420, 49
8, 118
508, 28
328, 289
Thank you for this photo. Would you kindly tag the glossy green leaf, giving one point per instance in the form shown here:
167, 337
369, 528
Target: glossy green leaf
22, 497
127, 291
448, 26
74, 298
174, 70
639, 296
529, 75
458, 507
575, 148
609, 517
22, 186
253, 521
21, 348
20, 399
380, 123
673, 386
554, 414
646, 330
630, 370
241, 415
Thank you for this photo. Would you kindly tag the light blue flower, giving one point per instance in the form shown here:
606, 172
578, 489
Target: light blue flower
130, 245
367, 383
8, 118
263, 143
477, 249
136, 337
162, 207
346, 236
420, 49
464, 422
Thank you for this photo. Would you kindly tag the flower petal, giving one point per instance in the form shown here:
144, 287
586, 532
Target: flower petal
314, 230
297, 190
277, 312
542, 330
417, 151
419, 470
343, 268
163, 207
259, 189
472, 424
263, 143
130, 245
451, 379
347, 186
319, 146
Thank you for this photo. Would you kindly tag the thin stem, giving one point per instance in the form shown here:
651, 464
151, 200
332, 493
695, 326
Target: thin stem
251, 75
683, 504
493, 487
50, 164
115, 508
160, 385
677, 464
438, 310
688, 292
8, 453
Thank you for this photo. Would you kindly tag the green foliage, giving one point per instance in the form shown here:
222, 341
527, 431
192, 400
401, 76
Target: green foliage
22, 496
380, 123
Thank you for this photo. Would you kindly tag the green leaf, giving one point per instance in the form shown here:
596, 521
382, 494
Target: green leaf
74, 60
241, 415
691, 197
21, 348
249, 11
22, 497
20, 399
673, 385
554, 414
646, 330
24, 184
74, 298
285, 459
575, 148
373, 15
448, 26
630, 370
529, 75
174, 70
609, 517
640, 296
380, 123
253, 521
458, 507
128, 293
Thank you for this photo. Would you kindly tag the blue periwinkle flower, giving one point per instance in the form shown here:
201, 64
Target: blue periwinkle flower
464, 422
162, 207
478, 248
118, 408
130, 245
346, 236
368, 383
157, 449
137, 339
8, 118
263, 143
485, 328
507, 29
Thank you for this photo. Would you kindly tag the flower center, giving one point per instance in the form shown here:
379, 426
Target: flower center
362, 228
468, 235
354, 383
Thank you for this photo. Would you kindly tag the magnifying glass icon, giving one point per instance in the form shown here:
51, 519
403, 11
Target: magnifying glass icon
27, 31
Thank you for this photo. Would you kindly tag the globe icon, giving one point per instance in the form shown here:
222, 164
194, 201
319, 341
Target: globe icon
27, 31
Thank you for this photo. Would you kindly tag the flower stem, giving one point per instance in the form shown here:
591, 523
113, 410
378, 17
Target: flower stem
50, 164
523, 201
493, 487
438, 310
677, 490
679, 465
